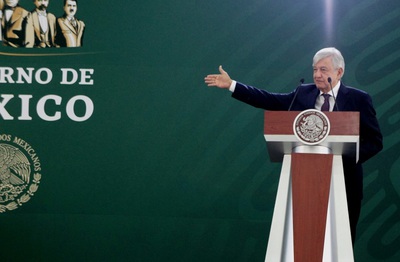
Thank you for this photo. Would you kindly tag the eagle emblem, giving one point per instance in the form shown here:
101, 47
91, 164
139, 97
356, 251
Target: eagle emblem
311, 127
17, 181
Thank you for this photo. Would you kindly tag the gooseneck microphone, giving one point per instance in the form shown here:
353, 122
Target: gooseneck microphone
297, 91
333, 94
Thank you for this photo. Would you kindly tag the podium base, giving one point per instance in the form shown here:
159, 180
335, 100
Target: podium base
335, 245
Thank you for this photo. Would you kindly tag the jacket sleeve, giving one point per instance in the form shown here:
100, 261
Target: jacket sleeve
371, 139
261, 98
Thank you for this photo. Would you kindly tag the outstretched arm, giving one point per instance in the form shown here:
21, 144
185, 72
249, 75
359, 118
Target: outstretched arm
221, 80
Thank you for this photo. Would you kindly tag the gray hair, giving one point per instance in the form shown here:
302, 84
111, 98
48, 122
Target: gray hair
336, 56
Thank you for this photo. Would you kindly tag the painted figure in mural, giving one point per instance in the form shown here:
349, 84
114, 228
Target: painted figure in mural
41, 26
1, 17
13, 24
69, 29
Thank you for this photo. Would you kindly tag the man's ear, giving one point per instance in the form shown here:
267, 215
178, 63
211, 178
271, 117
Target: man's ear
340, 73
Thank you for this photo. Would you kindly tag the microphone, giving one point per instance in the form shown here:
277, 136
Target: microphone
297, 91
333, 94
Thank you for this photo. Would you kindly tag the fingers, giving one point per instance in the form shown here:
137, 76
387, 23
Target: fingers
221, 80
211, 80
222, 71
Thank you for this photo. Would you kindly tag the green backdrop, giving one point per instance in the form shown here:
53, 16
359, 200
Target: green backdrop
167, 169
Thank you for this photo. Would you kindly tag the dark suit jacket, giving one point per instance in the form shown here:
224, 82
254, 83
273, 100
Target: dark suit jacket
348, 99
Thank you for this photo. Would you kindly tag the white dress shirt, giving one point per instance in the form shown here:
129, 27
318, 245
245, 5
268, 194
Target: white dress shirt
320, 100
44, 24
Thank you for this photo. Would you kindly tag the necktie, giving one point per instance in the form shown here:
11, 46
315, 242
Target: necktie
7, 7
73, 22
325, 106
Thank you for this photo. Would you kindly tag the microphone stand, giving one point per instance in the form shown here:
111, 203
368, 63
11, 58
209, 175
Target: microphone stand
333, 94
297, 91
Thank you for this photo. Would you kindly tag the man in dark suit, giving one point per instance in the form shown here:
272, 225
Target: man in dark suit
328, 63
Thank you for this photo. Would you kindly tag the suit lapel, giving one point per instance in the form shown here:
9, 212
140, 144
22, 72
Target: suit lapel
16, 15
51, 25
342, 97
68, 24
35, 18
312, 97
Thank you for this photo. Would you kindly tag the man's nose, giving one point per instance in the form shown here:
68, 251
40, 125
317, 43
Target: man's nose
317, 73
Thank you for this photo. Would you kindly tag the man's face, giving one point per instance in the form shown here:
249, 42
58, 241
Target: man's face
70, 8
41, 4
12, 3
324, 69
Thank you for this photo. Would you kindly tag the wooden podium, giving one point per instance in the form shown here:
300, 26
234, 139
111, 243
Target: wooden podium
310, 221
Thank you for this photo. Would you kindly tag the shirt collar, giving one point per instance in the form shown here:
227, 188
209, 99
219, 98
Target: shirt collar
40, 12
335, 89
7, 7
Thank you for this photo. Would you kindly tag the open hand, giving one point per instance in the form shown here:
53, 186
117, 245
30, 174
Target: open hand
221, 80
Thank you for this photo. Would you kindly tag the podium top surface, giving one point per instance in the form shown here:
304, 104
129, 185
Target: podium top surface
343, 138
281, 123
